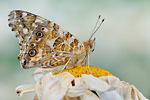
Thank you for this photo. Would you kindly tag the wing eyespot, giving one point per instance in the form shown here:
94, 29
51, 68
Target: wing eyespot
32, 52
36, 39
39, 34
42, 28
32, 45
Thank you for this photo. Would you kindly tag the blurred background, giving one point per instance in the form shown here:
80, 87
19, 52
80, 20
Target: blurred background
122, 42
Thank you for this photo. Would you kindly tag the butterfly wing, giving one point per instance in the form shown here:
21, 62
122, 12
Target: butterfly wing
22, 22
44, 43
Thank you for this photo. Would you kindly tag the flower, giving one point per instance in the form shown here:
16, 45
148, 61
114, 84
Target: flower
73, 86
84, 69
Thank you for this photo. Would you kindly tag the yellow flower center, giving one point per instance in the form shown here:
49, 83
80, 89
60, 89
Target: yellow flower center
83, 69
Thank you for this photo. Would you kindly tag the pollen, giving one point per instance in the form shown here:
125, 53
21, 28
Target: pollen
84, 69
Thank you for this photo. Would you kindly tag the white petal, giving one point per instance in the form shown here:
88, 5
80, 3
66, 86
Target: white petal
76, 91
37, 77
89, 96
38, 73
56, 88
133, 92
138, 95
42, 83
78, 81
42, 70
95, 83
123, 90
114, 84
24, 88
110, 95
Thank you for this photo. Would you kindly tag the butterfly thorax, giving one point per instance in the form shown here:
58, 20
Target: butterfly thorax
89, 45
82, 56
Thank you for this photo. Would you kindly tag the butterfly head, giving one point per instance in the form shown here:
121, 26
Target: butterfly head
90, 45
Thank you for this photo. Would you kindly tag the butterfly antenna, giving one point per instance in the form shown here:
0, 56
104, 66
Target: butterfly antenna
94, 31
96, 23
97, 27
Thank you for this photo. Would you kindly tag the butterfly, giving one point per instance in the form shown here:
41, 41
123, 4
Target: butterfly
45, 44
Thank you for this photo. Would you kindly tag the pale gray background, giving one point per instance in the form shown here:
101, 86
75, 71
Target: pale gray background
122, 42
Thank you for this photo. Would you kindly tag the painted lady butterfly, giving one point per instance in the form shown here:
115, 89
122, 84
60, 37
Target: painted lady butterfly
45, 44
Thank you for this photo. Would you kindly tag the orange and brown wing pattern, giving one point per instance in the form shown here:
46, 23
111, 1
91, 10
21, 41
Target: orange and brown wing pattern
22, 22
44, 43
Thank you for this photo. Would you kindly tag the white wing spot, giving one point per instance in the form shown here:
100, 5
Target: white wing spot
37, 20
61, 33
30, 64
13, 21
19, 20
25, 31
50, 43
45, 29
71, 40
20, 26
24, 14
14, 15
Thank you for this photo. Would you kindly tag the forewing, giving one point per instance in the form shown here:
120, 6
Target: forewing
22, 22
43, 41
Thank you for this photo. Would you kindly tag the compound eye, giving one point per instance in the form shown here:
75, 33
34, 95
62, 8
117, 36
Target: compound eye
32, 52
39, 34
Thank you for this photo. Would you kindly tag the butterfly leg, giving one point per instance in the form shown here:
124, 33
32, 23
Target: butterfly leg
89, 61
66, 64
85, 62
